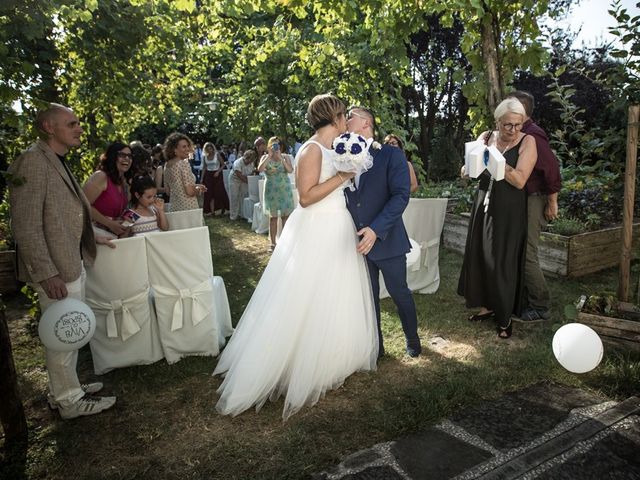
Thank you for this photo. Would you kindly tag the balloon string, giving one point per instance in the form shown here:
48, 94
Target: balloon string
487, 196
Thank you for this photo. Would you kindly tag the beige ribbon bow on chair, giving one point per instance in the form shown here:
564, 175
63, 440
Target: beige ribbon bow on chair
199, 309
129, 325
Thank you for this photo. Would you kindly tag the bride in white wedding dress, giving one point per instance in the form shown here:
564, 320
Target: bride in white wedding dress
311, 321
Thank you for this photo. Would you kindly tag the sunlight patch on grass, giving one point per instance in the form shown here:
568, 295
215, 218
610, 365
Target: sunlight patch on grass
451, 349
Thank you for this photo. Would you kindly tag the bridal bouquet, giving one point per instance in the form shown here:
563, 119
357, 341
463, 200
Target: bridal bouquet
351, 153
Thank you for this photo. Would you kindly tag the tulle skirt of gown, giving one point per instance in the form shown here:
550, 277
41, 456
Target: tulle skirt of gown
310, 322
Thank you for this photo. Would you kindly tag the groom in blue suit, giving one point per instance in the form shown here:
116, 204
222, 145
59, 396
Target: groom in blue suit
376, 205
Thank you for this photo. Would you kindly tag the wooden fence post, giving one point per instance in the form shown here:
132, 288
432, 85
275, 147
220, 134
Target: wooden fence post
12, 415
629, 199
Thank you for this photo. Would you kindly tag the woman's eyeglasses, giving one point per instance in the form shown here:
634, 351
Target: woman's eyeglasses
125, 155
512, 126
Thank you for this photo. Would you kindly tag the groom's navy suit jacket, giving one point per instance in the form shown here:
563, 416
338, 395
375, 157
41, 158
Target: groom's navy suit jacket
379, 201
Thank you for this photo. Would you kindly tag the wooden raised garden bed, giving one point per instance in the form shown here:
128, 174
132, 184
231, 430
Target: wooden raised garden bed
617, 331
572, 256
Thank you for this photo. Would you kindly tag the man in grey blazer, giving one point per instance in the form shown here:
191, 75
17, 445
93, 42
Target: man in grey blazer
51, 224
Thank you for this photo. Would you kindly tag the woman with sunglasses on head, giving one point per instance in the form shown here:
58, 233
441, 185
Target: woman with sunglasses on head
395, 141
108, 193
278, 196
492, 275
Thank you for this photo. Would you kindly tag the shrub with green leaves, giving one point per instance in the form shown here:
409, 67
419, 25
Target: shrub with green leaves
567, 226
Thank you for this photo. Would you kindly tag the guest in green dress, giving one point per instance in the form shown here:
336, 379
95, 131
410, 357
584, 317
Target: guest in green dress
278, 196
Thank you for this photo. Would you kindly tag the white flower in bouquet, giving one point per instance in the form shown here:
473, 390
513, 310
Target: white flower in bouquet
351, 153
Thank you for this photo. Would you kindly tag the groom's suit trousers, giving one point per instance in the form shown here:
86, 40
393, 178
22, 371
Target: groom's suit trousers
394, 272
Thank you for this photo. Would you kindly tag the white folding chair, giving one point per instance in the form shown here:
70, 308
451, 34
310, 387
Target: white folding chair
180, 272
117, 290
185, 219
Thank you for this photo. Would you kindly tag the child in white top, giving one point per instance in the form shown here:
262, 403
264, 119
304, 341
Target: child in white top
147, 212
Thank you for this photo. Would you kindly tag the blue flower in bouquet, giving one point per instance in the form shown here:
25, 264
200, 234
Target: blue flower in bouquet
340, 148
355, 149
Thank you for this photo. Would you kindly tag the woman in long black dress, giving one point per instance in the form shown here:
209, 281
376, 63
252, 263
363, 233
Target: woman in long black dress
492, 273
215, 198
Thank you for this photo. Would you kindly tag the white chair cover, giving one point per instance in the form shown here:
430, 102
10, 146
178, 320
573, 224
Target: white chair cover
253, 187
423, 219
180, 272
261, 184
247, 208
117, 290
260, 222
185, 219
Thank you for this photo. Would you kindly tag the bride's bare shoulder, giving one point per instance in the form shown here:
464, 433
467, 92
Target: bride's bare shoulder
310, 152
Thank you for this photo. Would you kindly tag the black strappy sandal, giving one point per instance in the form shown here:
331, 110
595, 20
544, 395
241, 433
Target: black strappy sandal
505, 332
478, 317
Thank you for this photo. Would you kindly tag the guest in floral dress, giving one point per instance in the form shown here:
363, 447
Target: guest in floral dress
278, 196
180, 183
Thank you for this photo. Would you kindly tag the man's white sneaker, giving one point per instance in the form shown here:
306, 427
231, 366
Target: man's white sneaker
87, 405
94, 387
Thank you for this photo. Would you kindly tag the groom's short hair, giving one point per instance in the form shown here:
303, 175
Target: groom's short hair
369, 114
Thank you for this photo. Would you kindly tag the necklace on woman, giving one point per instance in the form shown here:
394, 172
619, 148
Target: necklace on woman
505, 148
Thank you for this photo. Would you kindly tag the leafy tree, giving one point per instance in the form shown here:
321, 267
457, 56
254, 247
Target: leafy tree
239, 67
27, 72
438, 68
628, 32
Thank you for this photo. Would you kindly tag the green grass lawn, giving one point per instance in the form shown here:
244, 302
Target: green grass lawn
164, 425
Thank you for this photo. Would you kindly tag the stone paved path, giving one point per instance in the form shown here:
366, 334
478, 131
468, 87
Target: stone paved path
543, 432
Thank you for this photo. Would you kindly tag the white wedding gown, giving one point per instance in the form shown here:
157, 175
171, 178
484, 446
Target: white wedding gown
311, 321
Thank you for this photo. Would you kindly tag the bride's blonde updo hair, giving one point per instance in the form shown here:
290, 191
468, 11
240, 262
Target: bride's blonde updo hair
324, 109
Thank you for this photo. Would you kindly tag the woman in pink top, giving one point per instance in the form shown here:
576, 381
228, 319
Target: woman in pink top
107, 191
